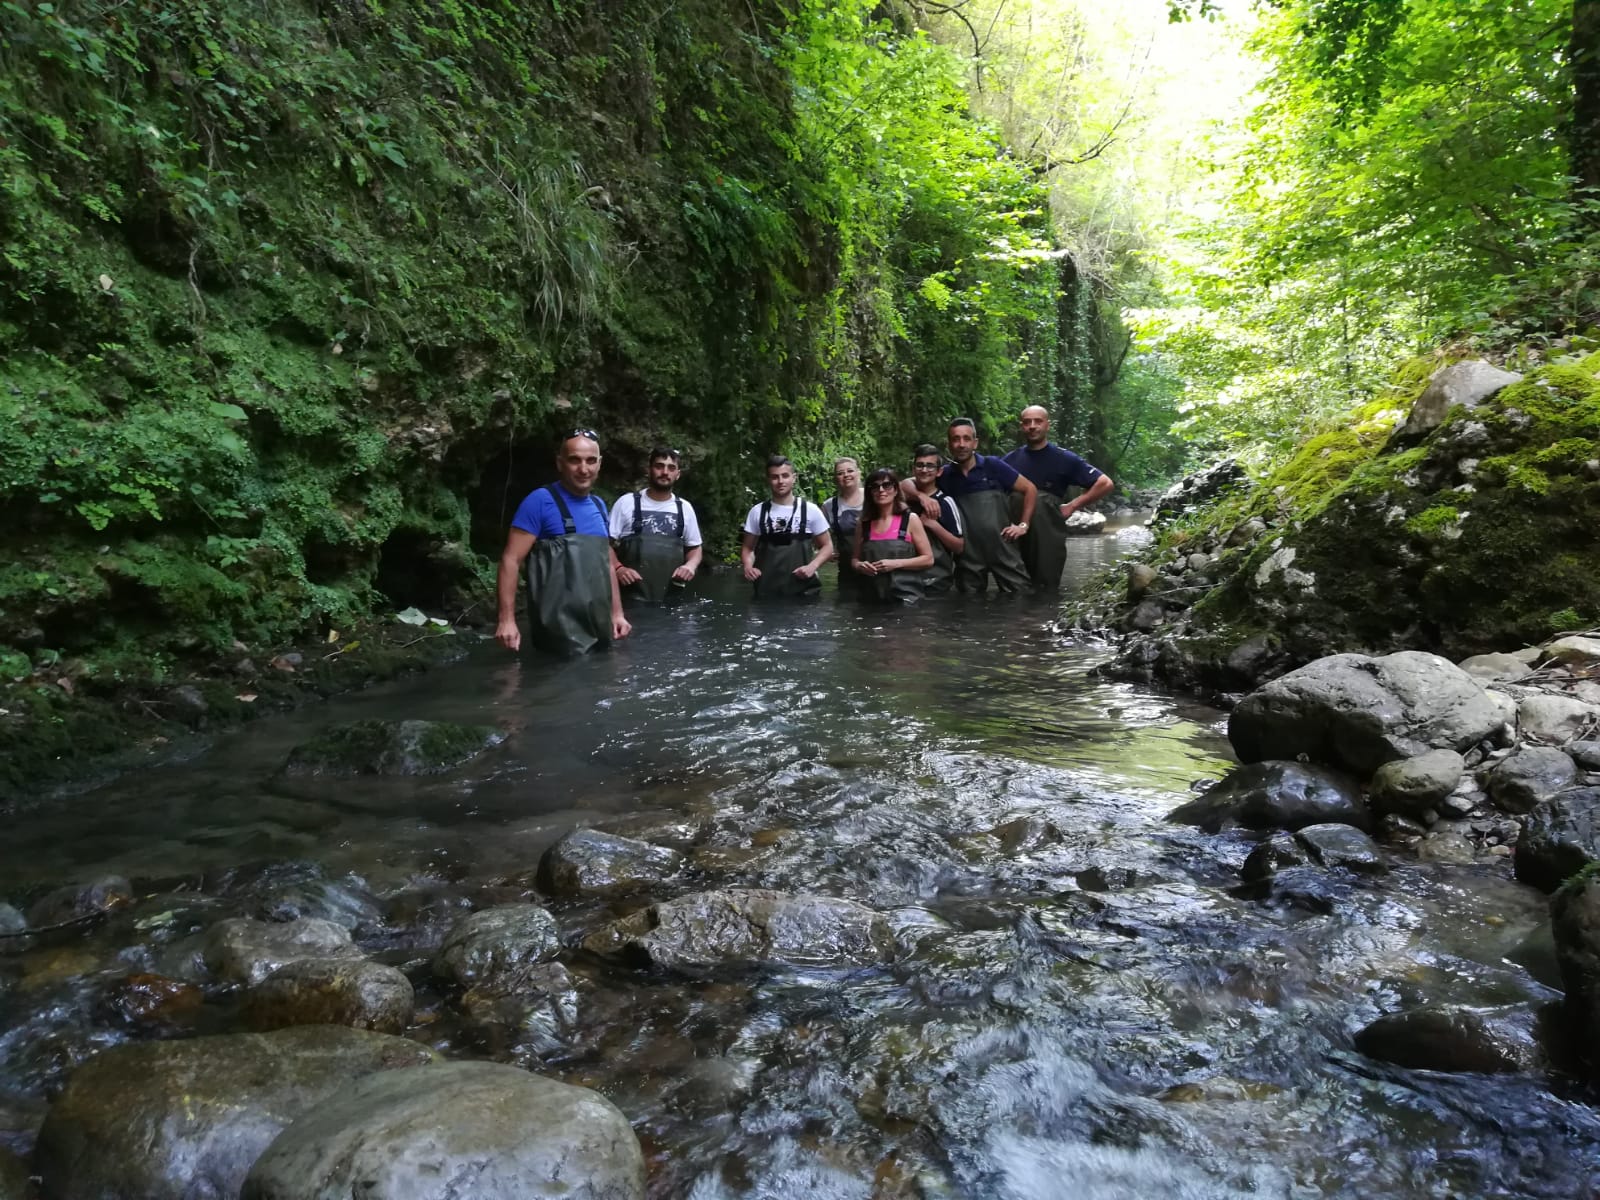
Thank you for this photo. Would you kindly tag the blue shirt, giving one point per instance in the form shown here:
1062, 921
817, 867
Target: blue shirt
988, 474
538, 514
1052, 469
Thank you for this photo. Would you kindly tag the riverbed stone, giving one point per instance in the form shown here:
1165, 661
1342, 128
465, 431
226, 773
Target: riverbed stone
1454, 1037
1494, 668
1411, 786
1275, 795
1585, 753
1529, 775
1575, 922
331, 991
346, 902
746, 928
485, 1130
1140, 577
1559, 838
151, 1001
77, 901
494, 941
589, 862
535, 1005
1277, 853
11, 920
1355, 712
184, 1120
1446, 846
1575, 653
1555, 719
1023, 835
1335, 845
391, 748
244, 950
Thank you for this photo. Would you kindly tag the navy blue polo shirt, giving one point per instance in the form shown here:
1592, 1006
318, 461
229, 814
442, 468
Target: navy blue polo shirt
1052, 469
538, 514
988, 474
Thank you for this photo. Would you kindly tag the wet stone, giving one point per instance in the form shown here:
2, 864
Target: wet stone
344, 902
391, 748
152, 1000
1529, 775
315, 991
1275, 795
184, 1120
1411, 786
1446, 846
1454, 1037
535, 1006
1110, 879
495, 941
1279, 851
1309, 889
1559, 838
589, 862
242, 950
514, 1135
78, 901
1575, 923
1340, 846
1023, 835
11, 921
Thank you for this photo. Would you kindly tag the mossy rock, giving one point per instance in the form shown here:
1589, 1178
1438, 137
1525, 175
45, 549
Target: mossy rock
391, 748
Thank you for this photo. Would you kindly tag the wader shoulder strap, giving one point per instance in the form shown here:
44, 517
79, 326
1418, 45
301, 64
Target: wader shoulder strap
638, 519
599, 510
561, 507
680, 520
799, 512
766, 515
905, 526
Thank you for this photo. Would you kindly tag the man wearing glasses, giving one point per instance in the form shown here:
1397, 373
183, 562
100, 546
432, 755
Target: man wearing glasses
574, 602
944, 530
656, 534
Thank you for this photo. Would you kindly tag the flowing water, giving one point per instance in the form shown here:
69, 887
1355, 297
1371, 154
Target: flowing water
1084, 1010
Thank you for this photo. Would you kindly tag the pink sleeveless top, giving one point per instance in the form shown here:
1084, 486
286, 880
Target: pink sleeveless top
892, 536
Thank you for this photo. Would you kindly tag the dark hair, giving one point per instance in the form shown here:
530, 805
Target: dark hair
776, 461
927, 448
657, 452
967, 421
897, 502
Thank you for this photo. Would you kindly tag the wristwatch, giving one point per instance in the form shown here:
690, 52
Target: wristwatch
1022, 525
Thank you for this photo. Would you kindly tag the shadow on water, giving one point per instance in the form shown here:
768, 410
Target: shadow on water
1083, 1009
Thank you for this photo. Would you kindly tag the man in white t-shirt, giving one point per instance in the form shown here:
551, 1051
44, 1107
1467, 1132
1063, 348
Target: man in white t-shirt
656, 534
786, 538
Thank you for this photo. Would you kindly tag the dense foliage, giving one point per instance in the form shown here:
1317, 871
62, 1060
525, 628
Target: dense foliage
294, 294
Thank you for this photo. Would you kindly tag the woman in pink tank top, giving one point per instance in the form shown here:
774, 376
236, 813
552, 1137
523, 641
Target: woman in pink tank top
891, 549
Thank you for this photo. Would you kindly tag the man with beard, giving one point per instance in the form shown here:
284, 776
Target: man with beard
656, 535
574, 603
1052, 471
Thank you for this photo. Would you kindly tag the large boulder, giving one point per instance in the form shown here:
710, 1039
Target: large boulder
242, 950
184, 1120
1357, 713
1575, 921
1557, 719
1454, 1037
1275, 795
322, 991
1559, 838
497, 941
749, 927
1577, 653
1530, 775
589, 862
1466, 384
1412, 786
482, 1130
391, 748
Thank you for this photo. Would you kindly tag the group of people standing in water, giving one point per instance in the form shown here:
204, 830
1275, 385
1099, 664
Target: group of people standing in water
960, 519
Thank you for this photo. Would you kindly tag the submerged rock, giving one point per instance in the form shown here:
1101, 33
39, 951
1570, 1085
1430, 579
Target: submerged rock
535, 1005
1275, 795
1529, 775
483, 1130
749, 928
1454, 1037
1357, 713
1559, 838
345, 902
242, 950
588, 862
1409, 787
1277, 853
151, 1000
391, 748
184, 1120
1340, 846
359, 993
1023, 835
495, 941
77, 901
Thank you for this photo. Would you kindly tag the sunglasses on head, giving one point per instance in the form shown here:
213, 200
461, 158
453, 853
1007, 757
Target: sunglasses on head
585, 433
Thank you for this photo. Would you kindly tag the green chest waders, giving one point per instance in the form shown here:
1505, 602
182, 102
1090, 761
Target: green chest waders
1044, 546
939, 577
779, 552
569, 587
984, 515
843, 520
897, 587
654, 555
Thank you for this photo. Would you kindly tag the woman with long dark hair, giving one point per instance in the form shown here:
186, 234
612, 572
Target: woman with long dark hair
891, 550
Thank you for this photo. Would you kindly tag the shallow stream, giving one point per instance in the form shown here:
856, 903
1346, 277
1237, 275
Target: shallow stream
1081, 1007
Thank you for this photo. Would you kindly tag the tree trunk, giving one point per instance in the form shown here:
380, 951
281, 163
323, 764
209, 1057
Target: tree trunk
1584, 53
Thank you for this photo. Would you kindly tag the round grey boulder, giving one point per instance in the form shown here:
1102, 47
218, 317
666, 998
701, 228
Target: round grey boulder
1275, 795
1411, 786
1529, 775
1454, 1037
1559, 838
332, 991
495, 941
589, 862
482, 1130
1495, 668
184, 1120
242, 950
1357, 713
1555, 719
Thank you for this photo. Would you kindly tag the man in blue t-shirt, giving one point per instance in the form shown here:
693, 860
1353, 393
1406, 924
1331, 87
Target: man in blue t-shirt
1054, 472
982, 486
574, 603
